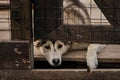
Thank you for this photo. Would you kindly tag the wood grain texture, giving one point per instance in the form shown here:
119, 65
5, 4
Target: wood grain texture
14, 55
21, 21
63, 74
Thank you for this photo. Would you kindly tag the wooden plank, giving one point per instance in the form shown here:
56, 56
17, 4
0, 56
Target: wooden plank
47, 16
21, 20
4, 19
61, 74
86, 33
110, 54
14, 55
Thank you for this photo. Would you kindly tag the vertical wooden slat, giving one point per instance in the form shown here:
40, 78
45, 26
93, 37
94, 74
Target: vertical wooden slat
20, 19
47, 16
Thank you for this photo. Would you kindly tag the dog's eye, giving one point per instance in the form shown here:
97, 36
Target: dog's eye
47, 47
60, 46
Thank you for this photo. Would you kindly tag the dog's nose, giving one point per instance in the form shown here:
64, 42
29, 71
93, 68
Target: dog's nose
56, 61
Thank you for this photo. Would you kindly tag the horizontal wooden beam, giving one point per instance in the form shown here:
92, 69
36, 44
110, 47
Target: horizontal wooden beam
87, 33
61, 74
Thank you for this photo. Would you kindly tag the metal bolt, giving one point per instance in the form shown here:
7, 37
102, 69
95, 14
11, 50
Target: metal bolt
78, 36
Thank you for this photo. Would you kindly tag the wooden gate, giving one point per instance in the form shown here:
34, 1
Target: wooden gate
16, 55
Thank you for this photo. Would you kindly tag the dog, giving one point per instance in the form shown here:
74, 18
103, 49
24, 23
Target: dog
75, 12
53, 50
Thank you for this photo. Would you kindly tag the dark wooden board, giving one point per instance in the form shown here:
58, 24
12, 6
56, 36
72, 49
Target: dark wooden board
47, 16
21, 19
14, 55
63, 74
87, 33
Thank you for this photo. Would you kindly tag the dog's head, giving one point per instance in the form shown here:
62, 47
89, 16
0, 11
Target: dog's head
53, 50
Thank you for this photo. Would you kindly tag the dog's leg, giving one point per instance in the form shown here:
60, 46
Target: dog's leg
91, 55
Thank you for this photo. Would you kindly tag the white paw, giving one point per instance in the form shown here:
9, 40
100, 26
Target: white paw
92, 61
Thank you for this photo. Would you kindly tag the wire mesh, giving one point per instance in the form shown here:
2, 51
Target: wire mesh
95, 14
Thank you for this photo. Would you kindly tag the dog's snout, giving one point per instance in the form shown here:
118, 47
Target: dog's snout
56, 61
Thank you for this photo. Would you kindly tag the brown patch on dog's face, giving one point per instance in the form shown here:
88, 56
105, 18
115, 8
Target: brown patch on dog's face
62, 46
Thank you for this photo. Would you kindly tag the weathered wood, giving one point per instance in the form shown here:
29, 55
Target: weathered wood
47, 16
110, 54
61, 74
87, 33
21, 19
111, 9
14, 55
45, 22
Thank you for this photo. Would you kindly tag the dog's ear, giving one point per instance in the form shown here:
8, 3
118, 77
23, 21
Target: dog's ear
37, 43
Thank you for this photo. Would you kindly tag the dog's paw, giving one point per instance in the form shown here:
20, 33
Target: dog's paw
92, 64
92, 61
91, 55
